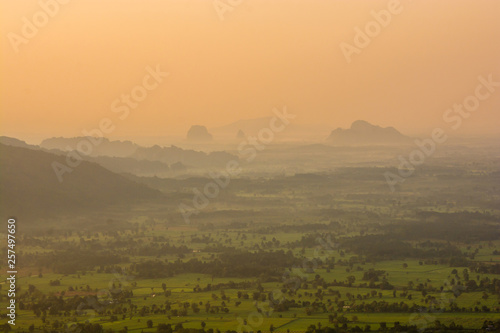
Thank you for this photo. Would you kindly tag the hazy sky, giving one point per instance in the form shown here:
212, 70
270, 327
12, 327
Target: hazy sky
65, 77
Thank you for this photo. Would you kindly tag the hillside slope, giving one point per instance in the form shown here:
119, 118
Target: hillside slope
29, 186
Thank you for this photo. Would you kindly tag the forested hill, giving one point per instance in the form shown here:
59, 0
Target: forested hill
30, 188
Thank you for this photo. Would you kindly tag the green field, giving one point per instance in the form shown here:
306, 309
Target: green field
329, 252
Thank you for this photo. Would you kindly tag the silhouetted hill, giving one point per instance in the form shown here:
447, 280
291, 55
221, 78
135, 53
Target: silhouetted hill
112, 163
364, 133
16, 142
240, 135
127, 149
30, 188
199, 133
104, 148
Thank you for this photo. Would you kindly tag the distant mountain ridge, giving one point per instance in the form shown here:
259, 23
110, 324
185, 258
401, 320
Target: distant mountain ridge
15, 142
112, 163
127, 149
364, 133
106, 147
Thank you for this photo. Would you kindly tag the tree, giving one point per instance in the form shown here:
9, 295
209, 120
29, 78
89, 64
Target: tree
164, 328
149, 323
351, 279
31, 288
466, 274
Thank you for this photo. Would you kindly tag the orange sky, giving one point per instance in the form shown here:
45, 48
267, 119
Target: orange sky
264, 53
